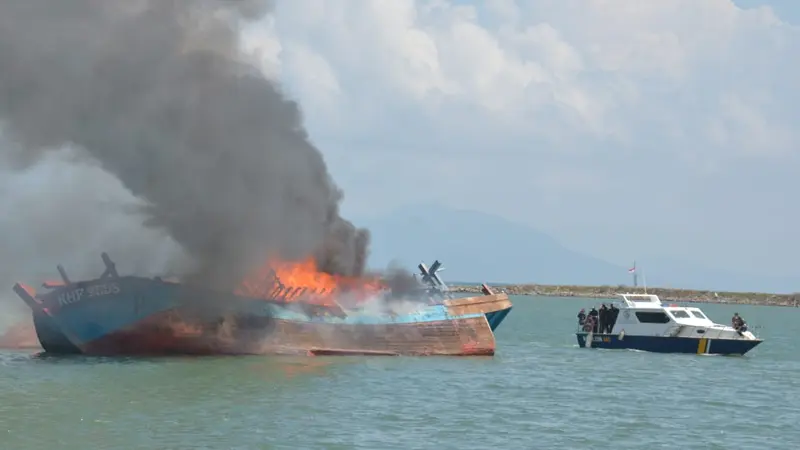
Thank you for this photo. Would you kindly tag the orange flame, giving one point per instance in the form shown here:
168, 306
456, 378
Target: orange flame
303, 281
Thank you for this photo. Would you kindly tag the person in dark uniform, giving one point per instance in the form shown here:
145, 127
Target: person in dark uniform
613, 312
738, 323
603, 318
593, 314
582, 317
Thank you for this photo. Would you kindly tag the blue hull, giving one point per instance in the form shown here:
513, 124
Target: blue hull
495, 318
50, 336
86, 319
659, 344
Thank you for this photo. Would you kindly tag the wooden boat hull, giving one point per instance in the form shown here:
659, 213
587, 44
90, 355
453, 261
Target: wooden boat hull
455, 337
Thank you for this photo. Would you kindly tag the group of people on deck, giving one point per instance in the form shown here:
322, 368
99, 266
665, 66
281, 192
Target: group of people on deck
598, 321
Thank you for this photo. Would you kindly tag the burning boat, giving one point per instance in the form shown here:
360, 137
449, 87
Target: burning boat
130, 315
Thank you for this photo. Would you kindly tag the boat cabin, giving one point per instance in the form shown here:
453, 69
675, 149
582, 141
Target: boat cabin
644, 303
645, 312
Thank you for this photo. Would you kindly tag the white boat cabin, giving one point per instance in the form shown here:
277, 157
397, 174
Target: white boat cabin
645, 315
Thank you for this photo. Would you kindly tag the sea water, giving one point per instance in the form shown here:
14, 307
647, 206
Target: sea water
539, 392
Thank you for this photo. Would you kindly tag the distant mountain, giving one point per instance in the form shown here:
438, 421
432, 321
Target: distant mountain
475, 246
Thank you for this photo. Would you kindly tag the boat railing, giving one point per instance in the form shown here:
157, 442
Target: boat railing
109, 272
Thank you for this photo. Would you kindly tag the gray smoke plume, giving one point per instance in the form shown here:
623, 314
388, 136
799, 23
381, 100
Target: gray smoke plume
159, 94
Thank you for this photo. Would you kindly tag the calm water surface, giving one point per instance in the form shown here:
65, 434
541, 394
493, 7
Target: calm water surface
539, 392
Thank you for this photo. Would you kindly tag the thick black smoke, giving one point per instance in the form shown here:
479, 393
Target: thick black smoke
158, 93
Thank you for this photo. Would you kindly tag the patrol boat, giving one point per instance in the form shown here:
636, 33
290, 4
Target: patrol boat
644, 323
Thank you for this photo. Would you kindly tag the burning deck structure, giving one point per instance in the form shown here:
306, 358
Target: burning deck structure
283, 313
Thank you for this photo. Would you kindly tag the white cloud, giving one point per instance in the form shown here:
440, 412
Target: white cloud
561, 113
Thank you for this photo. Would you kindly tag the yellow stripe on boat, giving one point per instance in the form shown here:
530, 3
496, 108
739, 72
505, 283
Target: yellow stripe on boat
701, 346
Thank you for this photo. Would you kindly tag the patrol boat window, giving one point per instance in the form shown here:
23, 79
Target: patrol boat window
652, 317
699, 315
679, 314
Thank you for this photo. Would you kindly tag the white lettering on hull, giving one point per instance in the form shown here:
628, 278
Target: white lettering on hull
80, 294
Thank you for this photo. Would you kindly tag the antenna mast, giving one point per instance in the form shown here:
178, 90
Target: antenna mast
644, 280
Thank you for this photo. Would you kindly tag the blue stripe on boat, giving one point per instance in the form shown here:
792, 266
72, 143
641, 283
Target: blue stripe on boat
433, 313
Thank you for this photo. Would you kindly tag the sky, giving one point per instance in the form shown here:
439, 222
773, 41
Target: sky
619, 127
625, 129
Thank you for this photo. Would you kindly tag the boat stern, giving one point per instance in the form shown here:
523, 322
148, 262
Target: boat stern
593, 340
495, 307
581, 336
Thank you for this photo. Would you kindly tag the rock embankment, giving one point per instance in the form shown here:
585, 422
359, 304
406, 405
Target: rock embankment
666, 294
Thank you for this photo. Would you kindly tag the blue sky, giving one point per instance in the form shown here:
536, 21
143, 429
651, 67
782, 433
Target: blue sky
787, 10
620, 127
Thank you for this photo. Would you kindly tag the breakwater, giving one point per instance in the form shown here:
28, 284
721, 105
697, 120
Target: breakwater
666, 294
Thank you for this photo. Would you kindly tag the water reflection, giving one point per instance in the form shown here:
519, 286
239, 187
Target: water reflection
290, 367
20, 335
264, 368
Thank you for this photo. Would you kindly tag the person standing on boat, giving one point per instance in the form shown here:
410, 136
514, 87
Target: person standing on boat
589, 324
603, 318
593, 314
613, 312
582, 317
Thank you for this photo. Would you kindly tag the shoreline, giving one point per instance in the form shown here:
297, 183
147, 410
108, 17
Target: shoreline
665, 294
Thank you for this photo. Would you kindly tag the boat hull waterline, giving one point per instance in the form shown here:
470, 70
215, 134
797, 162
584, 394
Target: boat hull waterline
668, 344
